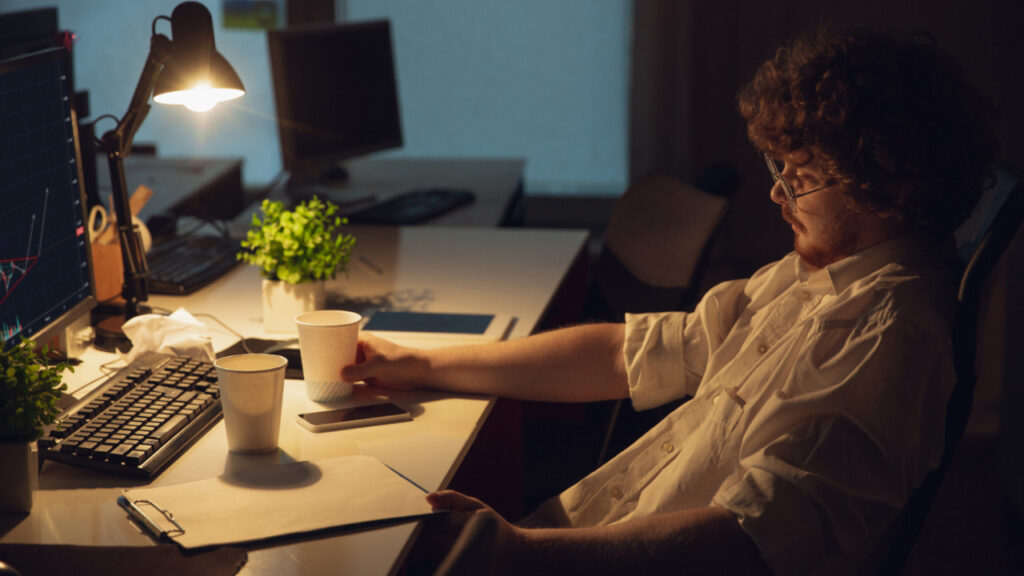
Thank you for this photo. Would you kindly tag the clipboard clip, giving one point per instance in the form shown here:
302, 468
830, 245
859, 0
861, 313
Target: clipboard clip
138, 515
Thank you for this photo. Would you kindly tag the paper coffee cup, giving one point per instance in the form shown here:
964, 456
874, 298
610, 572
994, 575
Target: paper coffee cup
251, 394
327, 341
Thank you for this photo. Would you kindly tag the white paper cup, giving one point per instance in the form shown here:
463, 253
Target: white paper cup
327, 341
251, 394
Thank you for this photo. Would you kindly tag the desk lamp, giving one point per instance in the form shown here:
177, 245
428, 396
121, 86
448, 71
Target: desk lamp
189, 71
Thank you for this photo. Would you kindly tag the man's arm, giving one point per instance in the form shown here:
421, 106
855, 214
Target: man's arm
697, 541
578, 364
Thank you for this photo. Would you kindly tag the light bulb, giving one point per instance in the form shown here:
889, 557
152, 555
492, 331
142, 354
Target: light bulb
200, 98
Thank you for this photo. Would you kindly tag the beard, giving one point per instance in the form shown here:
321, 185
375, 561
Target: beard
839, 239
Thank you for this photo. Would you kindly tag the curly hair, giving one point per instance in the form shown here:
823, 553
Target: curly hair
892, 118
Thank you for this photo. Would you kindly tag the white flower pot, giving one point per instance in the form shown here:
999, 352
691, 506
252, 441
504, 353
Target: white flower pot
282, 302
17, 477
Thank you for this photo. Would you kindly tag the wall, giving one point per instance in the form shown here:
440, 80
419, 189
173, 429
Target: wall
535, 79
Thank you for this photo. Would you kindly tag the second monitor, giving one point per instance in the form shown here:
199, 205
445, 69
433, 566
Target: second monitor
336, 96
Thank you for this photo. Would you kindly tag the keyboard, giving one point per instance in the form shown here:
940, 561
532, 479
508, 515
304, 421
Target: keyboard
184, 265
140, 419
412, 207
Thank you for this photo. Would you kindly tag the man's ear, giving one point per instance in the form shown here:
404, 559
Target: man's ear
897, 192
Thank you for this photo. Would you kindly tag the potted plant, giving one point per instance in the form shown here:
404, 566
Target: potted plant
297, 251
29, 390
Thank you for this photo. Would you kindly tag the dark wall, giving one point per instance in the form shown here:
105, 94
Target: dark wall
730, 38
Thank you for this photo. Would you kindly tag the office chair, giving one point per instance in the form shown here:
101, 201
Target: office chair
654, 253
998, 228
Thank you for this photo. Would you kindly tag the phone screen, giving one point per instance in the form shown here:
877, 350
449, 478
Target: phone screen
352, 414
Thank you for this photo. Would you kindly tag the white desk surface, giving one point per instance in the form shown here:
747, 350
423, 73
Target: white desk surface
513, 271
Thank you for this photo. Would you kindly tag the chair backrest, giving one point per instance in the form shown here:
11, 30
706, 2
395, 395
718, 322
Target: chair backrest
985, 237
654, 244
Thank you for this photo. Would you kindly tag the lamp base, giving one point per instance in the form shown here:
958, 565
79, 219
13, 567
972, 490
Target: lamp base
110, 333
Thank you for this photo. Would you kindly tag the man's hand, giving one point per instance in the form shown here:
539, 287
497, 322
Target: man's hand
380, 362
703, 540
445, 529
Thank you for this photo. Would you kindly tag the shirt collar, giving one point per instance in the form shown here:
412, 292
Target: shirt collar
839, 275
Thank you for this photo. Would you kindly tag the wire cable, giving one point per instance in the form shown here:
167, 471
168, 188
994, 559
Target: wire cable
241, 338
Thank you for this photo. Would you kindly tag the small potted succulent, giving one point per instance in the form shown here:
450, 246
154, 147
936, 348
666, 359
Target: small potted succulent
29, 391
297, 251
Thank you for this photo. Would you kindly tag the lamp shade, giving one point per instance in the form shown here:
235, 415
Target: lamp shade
195, 74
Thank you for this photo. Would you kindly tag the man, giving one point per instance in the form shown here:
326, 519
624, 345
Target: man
819, 385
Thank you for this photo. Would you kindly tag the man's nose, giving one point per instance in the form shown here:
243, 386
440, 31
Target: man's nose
778, 195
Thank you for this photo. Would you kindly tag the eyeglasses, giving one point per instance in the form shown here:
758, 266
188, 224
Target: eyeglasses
791, 194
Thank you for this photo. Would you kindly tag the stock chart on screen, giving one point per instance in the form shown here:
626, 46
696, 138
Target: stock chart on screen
43, 249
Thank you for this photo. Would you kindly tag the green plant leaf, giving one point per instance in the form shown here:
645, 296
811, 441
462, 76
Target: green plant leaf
29, 391
300, 245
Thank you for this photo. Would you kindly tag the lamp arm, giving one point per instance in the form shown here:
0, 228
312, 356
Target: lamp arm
119, 139
116, 144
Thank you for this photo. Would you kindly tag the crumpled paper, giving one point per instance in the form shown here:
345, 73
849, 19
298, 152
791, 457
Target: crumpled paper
179, 334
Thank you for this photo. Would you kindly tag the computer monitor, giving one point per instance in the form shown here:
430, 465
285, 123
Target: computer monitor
336, 95
45, 267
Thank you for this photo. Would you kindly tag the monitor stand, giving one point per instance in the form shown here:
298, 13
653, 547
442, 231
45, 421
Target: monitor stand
329, 183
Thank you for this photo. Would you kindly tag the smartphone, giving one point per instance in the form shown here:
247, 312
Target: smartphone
354, 417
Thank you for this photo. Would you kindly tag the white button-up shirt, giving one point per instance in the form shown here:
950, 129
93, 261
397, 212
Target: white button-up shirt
818, 404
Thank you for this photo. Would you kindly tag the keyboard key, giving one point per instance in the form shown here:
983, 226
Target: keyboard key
135, 457
120, 451
85, 448
175, 423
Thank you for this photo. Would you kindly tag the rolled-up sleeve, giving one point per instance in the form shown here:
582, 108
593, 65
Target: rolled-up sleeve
666, 353
655, 358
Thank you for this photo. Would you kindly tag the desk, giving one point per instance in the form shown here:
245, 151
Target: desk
515, 271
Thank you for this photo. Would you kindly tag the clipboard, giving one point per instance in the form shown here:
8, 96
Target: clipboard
271, 501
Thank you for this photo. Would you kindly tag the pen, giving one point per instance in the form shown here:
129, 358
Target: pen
366, 261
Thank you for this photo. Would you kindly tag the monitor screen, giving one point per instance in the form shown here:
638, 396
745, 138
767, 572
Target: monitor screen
45, 270
335, 92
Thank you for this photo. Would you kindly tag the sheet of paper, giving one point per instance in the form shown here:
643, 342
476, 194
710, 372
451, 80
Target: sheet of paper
265, 502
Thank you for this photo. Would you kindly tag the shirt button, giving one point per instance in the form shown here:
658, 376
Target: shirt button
715, 399
667, 447
807, 295
616, 492
762, 348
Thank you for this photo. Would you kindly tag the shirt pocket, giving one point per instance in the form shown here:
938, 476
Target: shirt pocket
829, 338
727, 408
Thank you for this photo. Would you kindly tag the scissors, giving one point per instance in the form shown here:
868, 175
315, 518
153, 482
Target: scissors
98, 222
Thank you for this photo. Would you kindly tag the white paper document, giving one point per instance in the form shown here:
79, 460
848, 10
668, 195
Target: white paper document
270, 501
